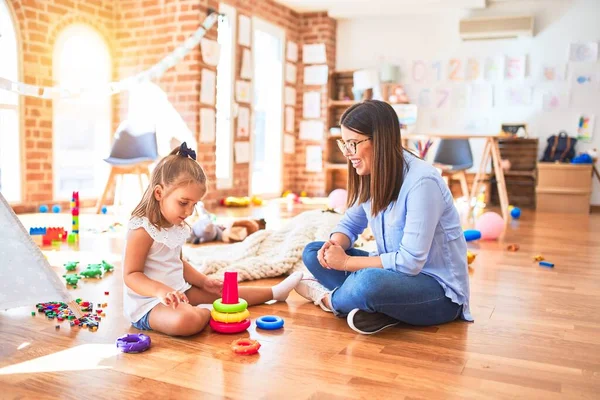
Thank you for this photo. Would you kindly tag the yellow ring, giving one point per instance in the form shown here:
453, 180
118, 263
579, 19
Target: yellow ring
229, 318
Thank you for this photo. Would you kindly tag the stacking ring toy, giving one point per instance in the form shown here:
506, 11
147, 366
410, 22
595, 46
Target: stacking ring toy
245, 347
229, 317
230, 308
222, 327
269, 322
133, 343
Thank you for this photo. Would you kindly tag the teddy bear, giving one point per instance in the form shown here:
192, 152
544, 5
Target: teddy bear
206, 230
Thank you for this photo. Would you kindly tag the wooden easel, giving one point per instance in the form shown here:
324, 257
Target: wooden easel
491, 152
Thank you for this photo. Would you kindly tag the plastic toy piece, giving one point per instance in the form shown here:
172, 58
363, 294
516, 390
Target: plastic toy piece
57, 327
43, 208
222, 327
245, 347
71, 265
107, 267
72, 279
230, 308
37, 231
269, 322
106, 293
230, 288
470, 257
33, 313
513, 247
54, 234
133, 343
229, 318
538, 257
91, 273
72, 238
472, 234
515, 213
546, 264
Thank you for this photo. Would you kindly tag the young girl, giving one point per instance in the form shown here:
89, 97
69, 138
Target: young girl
162, 291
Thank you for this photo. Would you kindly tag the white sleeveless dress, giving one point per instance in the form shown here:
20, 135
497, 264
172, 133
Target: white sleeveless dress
163, 264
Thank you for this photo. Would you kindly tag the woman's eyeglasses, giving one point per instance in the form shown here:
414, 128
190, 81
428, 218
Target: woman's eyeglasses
349, 147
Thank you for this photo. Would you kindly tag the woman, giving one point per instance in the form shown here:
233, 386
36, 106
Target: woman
418, 275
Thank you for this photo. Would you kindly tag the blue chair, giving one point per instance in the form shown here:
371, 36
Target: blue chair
132, 153
454, 157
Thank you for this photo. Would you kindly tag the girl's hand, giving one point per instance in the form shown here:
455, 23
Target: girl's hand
172, 298
335, 257
213, 286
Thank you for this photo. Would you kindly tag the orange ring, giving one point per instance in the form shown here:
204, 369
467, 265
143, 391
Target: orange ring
245, 347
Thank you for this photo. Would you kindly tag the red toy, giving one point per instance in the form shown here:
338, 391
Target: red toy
230, 297
245, 347
230, 288
54, 234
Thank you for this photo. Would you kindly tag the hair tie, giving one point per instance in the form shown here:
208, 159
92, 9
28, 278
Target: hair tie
187, 152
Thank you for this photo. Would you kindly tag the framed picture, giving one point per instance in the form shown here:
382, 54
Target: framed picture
514, 129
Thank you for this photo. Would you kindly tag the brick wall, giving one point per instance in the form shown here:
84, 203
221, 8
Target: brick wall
139, 33
38, 23
314, 28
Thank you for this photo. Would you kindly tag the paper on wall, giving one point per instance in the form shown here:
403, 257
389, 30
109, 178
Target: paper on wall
242, 152
583, 52
365, 79
244, 30
290, 72
316, 75
314, 54
292, 51
585, 127
289, 119
243, 122
207, 125
242, 91
311, 107
289, 96
515, 68
493, 68
246, 70
211, 52
481, 95
207, 87
312, 130
555, 99
552, 73
289, 144
314, 158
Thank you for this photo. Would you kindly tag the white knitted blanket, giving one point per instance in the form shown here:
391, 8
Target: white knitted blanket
266, 253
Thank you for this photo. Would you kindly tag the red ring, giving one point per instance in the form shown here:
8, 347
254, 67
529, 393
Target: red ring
236, 327
245, 347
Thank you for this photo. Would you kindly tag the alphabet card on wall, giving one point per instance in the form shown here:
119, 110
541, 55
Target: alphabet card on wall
473, 70
456, 71
515, 68
493, 68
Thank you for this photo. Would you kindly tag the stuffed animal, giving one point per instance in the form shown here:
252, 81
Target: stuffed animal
205, 230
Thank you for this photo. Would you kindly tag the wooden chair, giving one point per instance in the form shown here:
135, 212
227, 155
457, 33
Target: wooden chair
131, 154
453, 158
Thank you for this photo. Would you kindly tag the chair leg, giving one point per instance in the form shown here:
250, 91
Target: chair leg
139, 173
109, 183
462, 177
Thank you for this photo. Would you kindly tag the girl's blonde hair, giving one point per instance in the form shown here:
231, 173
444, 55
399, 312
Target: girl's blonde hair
175, 170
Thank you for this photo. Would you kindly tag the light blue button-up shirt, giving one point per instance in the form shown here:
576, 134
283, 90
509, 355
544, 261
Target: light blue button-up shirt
418, 233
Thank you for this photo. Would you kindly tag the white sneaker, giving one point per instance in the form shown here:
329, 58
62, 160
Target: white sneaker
312, 290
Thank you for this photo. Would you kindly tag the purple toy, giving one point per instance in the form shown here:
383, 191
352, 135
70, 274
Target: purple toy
133, 343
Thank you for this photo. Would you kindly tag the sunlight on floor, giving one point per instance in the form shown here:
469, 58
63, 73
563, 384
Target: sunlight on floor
23, 345
80, 358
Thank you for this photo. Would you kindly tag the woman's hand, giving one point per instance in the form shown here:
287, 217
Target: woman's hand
335, 257
172, 298
213, 286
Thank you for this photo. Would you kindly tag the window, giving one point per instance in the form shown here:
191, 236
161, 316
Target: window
225, 75
267, 135
10, 137
82, 124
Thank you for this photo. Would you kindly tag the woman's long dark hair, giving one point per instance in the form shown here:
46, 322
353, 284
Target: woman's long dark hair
377, 120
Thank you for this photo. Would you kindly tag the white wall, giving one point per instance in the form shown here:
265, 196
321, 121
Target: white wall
368, 42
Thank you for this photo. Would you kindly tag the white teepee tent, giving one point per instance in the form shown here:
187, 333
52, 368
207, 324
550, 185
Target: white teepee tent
26, 277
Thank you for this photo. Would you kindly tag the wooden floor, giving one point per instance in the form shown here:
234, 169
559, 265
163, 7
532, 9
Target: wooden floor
536, 336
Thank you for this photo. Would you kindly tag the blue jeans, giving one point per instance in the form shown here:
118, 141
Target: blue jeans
415, 300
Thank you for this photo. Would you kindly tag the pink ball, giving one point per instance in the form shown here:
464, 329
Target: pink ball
337, 198
491, 225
